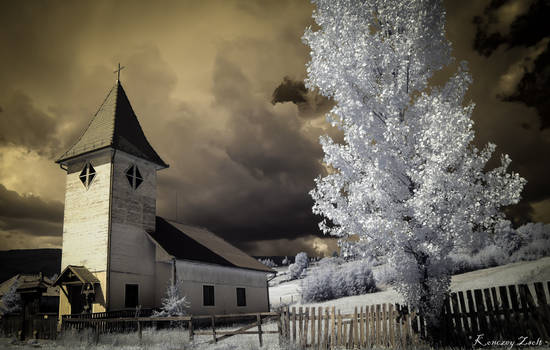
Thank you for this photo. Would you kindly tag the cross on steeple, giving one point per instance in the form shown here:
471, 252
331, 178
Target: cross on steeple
117, 71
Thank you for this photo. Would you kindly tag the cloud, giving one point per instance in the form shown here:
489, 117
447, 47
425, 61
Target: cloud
29, 214
310, 103
22, 124
312, 245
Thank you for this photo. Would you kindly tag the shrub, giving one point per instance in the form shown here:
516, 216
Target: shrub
297, 269
332, 281
11, 300
489, 256
268, 262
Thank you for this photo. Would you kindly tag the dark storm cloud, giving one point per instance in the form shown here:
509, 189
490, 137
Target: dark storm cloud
290, 91
486, 35
260, 173
29, 214
22, 124
206, 81
526, 30
310, 103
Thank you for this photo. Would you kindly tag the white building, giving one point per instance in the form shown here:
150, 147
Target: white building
117, 254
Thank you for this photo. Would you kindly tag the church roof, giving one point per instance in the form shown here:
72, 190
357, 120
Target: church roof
198, 244
114, 125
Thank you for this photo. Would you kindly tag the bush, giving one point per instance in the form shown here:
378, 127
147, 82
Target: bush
332, 281
489, 256
11, 300
297, 269
268, 262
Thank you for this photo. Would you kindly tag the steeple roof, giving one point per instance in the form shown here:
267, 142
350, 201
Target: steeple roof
114, 125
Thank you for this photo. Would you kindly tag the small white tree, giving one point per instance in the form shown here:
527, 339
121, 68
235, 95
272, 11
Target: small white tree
407, 180
11, 300
175, 303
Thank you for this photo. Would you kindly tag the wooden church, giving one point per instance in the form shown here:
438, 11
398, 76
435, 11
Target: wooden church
117, 254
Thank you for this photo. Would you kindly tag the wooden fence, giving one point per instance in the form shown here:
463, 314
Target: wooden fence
505, 312
499, 313
195, 325
388, 325
39, 326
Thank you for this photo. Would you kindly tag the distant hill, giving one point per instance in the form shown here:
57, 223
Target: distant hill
12, 262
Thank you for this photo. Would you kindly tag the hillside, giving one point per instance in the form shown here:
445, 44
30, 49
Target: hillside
47, 261
519, 272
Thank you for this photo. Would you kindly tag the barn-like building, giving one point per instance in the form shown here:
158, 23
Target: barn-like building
117, 254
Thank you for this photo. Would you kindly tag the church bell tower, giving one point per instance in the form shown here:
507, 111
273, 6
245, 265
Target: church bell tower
110, 202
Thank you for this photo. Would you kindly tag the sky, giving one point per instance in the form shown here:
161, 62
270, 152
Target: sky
218, 89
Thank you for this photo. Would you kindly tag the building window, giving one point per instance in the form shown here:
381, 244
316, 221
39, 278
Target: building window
208, 295
241, 297
134, 176
131, 298
87, 175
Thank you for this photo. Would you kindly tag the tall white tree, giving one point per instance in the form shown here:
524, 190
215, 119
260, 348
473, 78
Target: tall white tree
407, 180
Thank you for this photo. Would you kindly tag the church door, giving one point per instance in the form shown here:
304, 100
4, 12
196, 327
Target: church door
75, 298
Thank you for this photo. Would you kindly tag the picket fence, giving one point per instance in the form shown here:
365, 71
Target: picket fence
375, 325
499, 313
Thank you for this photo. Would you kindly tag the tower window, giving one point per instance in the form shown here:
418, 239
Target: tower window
134, 176
87, 175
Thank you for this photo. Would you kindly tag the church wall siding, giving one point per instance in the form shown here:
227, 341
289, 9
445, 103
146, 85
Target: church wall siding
132, 212
86, 218
146, 289
225, 281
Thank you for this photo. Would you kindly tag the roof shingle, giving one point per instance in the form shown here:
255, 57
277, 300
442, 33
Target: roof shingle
114, 125
198, 244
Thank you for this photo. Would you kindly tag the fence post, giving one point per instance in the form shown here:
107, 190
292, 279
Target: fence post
339, 328
190, 326
140, 335
319, 327
259, 320
294, 323
300, 326
286, 323
306, 326
279, 326
313, 327
214, 329
326, 336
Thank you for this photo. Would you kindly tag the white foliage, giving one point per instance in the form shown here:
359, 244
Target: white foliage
298, 268
175, 303
11, 300
285, 261
332, 281
268, 262
407, 180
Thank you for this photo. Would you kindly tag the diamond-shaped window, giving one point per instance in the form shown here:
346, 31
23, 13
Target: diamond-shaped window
87, 175
134, 176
